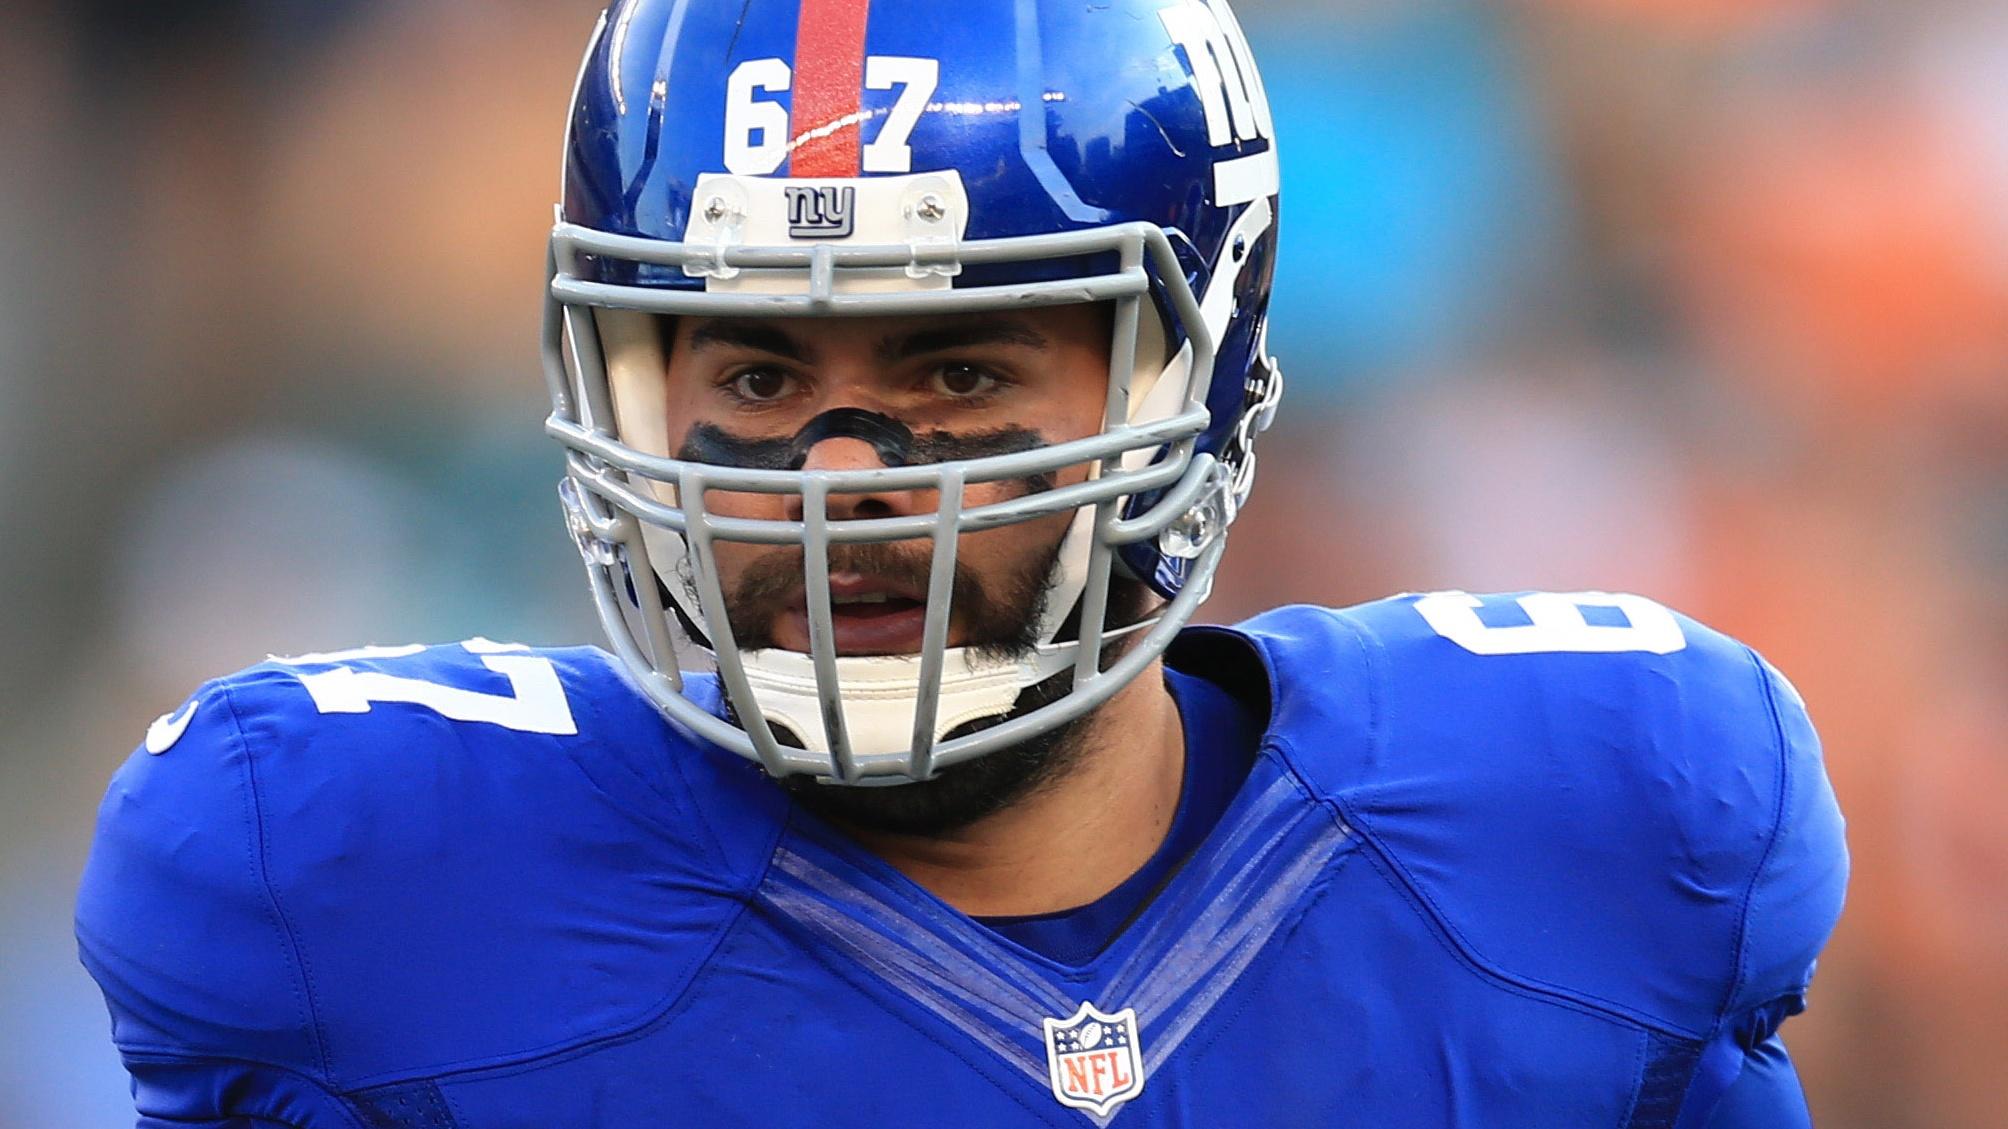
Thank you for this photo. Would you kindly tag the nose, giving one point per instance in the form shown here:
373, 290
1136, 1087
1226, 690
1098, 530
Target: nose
848, 453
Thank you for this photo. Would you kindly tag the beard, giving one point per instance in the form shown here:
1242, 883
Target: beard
1003, 623
961, 794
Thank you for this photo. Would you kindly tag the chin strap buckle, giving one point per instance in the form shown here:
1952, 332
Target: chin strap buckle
1234, 471
1258, 411
1189, 534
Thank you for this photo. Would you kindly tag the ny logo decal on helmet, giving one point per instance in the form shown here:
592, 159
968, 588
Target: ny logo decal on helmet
820, 211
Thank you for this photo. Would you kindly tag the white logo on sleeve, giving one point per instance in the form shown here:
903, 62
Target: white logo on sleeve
167, 729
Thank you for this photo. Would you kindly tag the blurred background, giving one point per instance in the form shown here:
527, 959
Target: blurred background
1705, 299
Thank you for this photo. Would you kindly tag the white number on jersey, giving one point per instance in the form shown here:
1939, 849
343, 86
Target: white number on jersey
535, 704
1556, 624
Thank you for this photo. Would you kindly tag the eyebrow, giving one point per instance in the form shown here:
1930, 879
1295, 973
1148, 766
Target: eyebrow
989, 331
747, 335
779, 342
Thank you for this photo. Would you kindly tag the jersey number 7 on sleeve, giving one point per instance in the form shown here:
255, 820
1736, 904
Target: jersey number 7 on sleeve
535, 704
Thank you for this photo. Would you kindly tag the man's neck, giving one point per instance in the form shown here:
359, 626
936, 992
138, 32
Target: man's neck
1118, 797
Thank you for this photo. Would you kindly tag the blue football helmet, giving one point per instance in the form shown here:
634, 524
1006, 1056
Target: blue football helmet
842, 158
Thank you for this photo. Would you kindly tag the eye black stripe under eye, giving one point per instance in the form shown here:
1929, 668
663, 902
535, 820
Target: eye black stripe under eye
714, 446
943, 446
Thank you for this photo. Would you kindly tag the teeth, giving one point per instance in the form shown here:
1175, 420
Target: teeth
870, 598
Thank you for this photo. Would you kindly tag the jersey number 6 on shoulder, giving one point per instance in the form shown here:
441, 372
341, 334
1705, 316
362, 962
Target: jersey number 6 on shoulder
1553, 623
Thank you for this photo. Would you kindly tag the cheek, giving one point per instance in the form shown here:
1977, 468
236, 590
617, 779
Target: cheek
733, 557
680, 408
759, 507
1081, 406
1014, 545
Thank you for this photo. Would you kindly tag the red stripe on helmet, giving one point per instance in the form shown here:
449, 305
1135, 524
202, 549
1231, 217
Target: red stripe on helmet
829, 88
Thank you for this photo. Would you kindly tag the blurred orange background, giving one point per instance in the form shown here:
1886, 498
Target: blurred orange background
1705, 299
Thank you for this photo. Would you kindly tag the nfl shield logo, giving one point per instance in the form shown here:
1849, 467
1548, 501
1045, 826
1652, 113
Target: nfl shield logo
1095, 1059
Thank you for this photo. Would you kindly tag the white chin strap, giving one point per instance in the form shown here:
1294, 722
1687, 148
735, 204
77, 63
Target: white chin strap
880, 693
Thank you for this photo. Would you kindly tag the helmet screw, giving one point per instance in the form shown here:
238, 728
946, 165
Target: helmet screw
931, 208
715, 209
1240, 247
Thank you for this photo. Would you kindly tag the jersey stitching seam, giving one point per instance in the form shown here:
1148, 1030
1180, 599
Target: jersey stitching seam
1390, 866
519, 1062
1328, 804
261, 872
1783, 779
1470, 955
668, 1015
1298, 912
717, 842
446, 1099
676, 766
1288, 750
1467, 952
955, 1046
1582, 1003
598, 720
1639, 1060
718, 847
168, 1056
549, 1050
1217, 1020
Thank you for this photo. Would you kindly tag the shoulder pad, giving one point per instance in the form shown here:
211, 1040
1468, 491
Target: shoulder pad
376, 835
1570, 782
174, 917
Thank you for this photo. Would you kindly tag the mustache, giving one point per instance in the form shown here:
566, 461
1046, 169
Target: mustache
1003, 618
777, 576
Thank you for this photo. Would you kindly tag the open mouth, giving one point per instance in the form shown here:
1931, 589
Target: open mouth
869, 617
872, 606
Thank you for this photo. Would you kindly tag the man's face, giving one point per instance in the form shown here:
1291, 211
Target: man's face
742, 391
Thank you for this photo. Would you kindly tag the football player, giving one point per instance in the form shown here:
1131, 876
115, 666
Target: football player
909, 363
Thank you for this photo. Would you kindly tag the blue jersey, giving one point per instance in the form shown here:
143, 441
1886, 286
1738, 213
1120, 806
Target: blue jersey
1506, 861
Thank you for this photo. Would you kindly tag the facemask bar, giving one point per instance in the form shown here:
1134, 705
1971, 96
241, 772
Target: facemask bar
606, 506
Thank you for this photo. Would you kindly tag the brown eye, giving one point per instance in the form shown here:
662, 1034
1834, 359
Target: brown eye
762, 385
963, 381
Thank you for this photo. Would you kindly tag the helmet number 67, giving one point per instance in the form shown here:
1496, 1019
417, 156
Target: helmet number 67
757, 137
